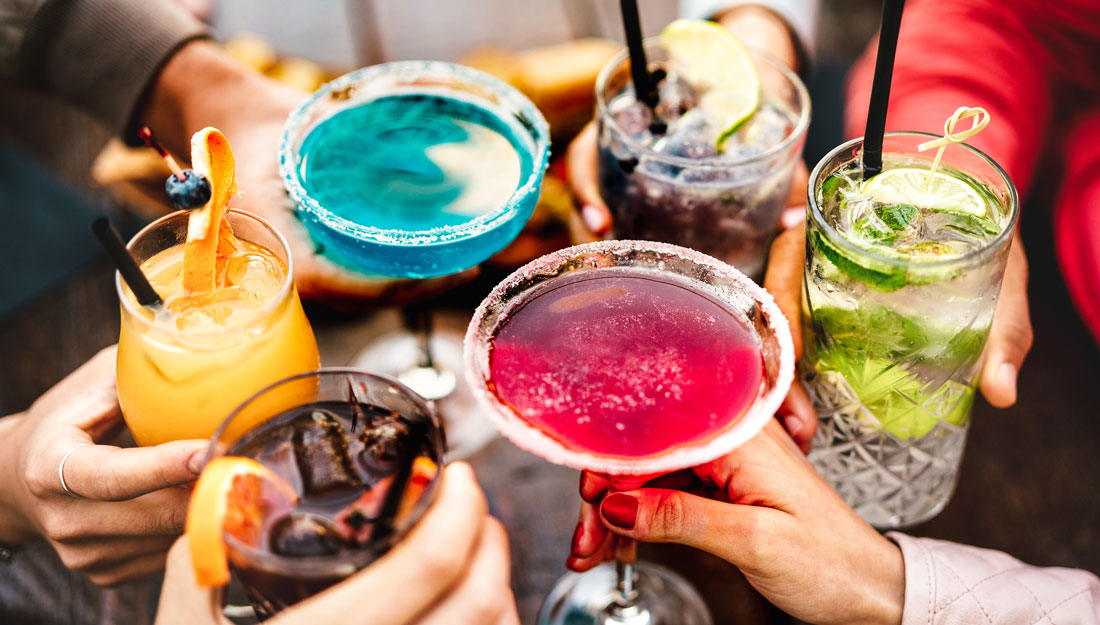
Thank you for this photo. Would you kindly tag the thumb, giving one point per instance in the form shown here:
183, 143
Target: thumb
182, 601
1010, 335
581, 170
672, 516
106, 473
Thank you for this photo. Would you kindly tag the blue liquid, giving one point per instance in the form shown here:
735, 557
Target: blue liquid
415, 163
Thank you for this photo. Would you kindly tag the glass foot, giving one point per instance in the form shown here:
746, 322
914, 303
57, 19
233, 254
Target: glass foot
664, 598
397, 354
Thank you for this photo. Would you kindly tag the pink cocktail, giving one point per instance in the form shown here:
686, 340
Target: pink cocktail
628, 358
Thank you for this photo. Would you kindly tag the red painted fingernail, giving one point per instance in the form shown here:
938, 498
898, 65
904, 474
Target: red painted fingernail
620, 510
575, 544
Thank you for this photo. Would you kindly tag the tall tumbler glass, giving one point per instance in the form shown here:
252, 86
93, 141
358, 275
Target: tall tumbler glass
726, 205
893, 344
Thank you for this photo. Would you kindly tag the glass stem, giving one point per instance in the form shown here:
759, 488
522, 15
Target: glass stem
625, 587
625, 608
418, 319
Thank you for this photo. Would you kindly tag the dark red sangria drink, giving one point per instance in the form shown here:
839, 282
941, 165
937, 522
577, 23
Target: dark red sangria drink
350, 463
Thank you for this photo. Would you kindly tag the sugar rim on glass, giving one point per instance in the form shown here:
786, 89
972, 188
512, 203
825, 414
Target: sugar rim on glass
508, 95
534, 440
813, 209
797, 133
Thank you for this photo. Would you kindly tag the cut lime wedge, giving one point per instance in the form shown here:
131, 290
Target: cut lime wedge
712, 60
910, 185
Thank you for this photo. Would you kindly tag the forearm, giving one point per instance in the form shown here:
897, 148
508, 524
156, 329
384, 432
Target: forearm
98, 54
951, 583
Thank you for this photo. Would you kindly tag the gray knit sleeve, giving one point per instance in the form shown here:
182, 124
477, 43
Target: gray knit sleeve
101, 55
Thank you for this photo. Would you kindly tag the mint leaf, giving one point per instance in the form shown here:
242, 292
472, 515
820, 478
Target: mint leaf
897, 216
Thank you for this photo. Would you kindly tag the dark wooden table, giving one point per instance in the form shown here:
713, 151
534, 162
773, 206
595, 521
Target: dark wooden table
1030, 481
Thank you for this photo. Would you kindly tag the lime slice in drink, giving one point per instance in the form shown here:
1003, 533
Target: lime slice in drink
910, 185
712, 60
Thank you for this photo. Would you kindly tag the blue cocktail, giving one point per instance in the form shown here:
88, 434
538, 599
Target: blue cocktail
414, 169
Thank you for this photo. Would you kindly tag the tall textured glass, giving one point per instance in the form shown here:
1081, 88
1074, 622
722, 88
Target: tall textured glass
671, 185
897, 304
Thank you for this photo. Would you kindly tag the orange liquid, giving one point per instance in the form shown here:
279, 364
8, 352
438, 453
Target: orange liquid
182, 371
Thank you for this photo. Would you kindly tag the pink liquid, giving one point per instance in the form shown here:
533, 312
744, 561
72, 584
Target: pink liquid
625, 363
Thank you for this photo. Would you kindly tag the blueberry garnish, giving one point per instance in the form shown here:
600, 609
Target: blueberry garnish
190, 193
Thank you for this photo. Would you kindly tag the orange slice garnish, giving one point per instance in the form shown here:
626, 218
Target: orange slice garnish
232, 495
208, 233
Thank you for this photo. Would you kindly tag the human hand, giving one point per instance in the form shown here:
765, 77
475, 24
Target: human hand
453, 567
1010, 335
124, 513
764, 509
202, 86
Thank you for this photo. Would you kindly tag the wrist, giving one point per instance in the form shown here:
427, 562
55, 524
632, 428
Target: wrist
761, 28
884, 584
201, 85
15, 526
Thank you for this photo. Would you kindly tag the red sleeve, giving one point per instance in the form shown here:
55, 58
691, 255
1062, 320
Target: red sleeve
954, 53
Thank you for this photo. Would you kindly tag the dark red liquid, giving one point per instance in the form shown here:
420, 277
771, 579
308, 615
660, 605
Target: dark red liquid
625, 363
341, 459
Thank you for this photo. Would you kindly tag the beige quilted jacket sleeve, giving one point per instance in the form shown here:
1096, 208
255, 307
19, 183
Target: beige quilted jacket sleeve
947, 583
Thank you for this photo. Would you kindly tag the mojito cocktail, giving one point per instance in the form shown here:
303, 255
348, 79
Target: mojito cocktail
901, 280
710, 166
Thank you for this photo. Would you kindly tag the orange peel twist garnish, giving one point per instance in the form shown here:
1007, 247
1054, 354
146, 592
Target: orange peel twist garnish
209, 235
981, 120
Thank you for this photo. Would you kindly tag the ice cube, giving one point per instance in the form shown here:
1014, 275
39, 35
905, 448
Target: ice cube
692, 136
321, 449
675, 99
632, 116
767, 128
300, 535
384, 446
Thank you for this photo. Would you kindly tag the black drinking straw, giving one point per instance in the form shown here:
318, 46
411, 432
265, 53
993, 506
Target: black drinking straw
387, 515
880, 88
127, 266
645, 88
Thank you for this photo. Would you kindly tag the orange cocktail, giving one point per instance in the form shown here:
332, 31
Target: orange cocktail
184, 367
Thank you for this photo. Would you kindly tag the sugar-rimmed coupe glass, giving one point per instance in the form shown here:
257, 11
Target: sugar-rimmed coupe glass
601, 357
415, 169
334, 435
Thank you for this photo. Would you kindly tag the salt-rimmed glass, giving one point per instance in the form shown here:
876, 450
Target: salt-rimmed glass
274, 582
417, 253
425, 360
641, 593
